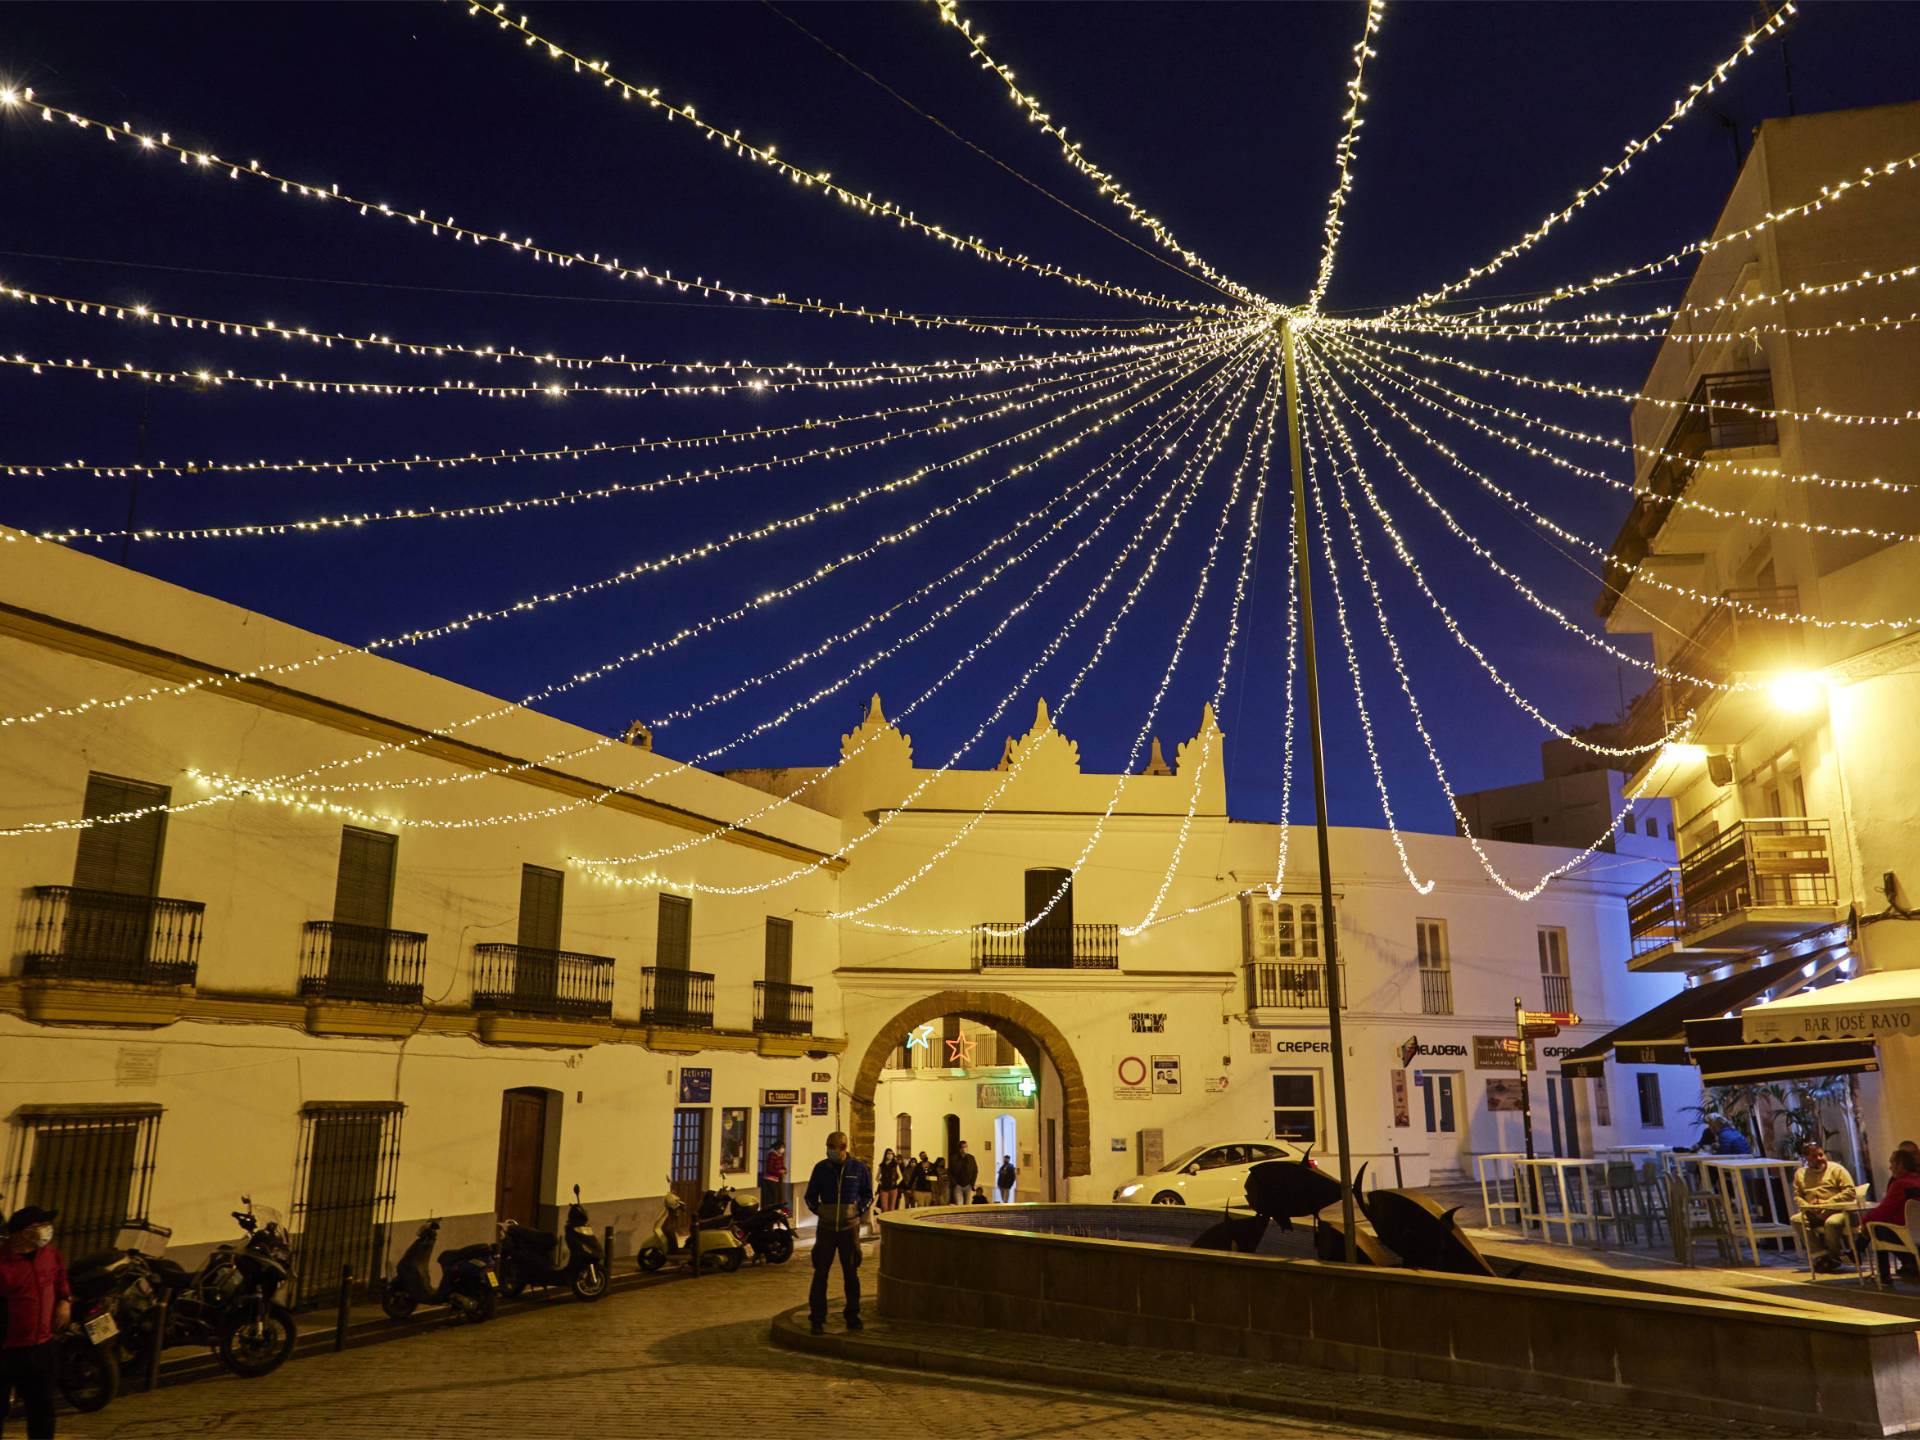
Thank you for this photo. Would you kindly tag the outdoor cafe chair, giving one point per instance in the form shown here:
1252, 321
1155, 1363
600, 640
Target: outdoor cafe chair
1893, 1239
1653, 1198
1801, 1232
1695, 1215
1623, 1209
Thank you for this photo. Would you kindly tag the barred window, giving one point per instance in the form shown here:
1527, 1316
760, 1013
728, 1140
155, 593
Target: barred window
93, 1164
343, 1195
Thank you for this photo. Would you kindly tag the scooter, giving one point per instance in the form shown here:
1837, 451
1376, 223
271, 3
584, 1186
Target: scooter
469, 1286
721, 1245
537, 1257
769, 1233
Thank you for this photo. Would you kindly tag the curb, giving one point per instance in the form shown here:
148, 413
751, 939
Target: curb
790, 1331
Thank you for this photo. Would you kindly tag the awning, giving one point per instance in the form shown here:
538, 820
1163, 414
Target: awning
1883, 1003
1725, 1058
1659, 1036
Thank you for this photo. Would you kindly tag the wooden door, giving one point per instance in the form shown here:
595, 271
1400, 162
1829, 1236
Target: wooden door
536, 970
116, 872
689, 1174
362, 911
523, 1144
1049, 943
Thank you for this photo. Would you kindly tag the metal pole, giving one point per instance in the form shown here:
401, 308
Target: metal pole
159, 1342
340, 1320
1526, 1114
1329, 934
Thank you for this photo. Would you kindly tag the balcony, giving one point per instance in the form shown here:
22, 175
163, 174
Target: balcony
781, 1009
1753, 885
676, 999
1556, 994
98, 935
1436, 992
555, 984
1719, 415
363, 963
1291, 985
1003, 945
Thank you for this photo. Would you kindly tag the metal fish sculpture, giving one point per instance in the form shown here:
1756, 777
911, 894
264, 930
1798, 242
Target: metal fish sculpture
1424, 1236
1284, 1189
1241, 1233
1330, 1243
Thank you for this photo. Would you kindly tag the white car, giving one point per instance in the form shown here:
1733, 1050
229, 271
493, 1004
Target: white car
1207, 1175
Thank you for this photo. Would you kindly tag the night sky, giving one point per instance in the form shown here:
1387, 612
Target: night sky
1220, 120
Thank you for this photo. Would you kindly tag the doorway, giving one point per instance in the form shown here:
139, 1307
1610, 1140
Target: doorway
1006, 1140
688, 1176
523, 1148
1564, 1115
773, 1131
1440, 1098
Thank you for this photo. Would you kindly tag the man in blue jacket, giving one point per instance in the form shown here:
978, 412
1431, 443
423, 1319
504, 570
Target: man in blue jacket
839, 1194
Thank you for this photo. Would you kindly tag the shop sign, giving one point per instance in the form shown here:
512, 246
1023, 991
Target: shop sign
696, 1085
1501, 1052
822, 1077
780, 1099
1402, 1116
1003, 1095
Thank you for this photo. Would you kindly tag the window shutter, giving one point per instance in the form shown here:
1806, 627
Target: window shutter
1050, 939
363, 894
779, 951
673, 944
540, 895
123, 858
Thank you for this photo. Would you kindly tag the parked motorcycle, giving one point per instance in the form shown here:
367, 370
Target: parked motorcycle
469, 1286
768, 1232
722, 1246
227, 1304
86, 1362
538, 1257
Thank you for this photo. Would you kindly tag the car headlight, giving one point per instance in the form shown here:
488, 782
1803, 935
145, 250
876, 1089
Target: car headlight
1126, 1191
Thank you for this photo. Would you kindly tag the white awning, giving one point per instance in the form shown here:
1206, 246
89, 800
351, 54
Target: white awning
1886, 1002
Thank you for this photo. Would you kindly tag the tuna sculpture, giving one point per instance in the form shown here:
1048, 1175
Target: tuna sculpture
1282, 1190
1423, 1235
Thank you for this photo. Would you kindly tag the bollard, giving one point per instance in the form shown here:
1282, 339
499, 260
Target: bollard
606, 1254
346, 1301
693, 1243
1398, 1183
159, 1343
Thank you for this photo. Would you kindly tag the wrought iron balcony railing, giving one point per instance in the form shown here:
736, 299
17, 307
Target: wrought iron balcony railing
782, 1009
1291, 985
339, 961
528, 980
1003, 945
680, 999
1436, 992
1556, 994
74, 934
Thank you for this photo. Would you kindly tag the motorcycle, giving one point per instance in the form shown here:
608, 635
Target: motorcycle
769, 1233
86, 1363
469, 1286
721, 1245
227, 1304
537, 1257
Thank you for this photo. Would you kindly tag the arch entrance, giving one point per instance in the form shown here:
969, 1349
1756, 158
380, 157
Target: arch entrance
1032, 1034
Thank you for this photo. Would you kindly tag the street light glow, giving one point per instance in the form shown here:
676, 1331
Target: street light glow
1797, 693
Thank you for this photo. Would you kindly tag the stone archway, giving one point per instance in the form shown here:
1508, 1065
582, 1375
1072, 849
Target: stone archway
1033, 1035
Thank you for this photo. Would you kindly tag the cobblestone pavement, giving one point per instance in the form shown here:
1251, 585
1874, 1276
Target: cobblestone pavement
690, 1359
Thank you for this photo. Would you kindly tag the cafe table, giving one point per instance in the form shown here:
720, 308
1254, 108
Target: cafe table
1493, 1171
1728, 1174
1576, 1182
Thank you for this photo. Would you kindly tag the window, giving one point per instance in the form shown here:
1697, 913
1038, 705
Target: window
343, 1199
779, 951
93, 1164
363, 890
1653, 827
122, 859
540, 893
1049, 935
1296, 1106
1004, 1050
1626, 824
903, 1134
1555, 984
1436, 971
673, 942
363, 958
1650, 1114
1520, 832
110, 924
1280, 930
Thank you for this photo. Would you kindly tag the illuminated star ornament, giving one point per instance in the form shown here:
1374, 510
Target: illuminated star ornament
920, 1036
960, 1049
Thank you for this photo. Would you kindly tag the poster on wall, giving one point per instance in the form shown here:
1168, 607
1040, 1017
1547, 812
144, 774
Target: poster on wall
1503, 1094
1166, 1074
1402, 1117
820, 1099
733, 1141
1262, 1041
1130, 1077
696, 1085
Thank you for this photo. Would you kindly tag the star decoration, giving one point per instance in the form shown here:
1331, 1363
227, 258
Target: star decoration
921, 1036
960, 1050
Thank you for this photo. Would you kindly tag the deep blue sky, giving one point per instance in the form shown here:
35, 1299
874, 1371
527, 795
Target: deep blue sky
1220, 119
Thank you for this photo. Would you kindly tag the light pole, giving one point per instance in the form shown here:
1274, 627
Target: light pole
1329, 931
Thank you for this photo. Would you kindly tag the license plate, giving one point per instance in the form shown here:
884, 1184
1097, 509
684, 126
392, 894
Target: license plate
101, 1328
493, 1279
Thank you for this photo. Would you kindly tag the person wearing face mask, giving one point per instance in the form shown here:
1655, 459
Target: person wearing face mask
839, 1193
33, 1288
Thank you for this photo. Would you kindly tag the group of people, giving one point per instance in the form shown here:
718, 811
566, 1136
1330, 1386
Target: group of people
912, 1181
1826, 1196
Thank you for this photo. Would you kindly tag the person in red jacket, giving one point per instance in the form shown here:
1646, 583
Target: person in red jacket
33, 1288
1903, 1184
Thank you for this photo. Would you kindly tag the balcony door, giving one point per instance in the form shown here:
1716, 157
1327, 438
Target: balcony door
673, 958
1049, 936
362, 913
536, 969
777, 1014
116, 874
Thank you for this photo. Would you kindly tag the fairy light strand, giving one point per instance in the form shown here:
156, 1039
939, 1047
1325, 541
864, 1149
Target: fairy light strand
1344, 151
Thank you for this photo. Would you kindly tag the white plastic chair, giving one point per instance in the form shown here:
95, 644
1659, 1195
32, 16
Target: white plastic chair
1896, 1239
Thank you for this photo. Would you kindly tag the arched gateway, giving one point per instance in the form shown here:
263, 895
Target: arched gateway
1033, 1035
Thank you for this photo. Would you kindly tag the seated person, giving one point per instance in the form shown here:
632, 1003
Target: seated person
1721, 1137
1824, 1191
1903, 1184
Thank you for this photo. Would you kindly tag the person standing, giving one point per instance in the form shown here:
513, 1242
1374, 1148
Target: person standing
888, 1177
773, 1177
38, 1304
923, 1174
964, 1171
1824, 1192
839, 1192
1006, 1179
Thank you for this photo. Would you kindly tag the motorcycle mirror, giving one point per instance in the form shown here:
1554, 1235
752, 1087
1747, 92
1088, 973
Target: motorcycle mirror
576, 1194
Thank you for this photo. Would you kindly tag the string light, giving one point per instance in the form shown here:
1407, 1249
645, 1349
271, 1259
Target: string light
1343, 152
1552, 329
865, 204
1070, 151
1774, 22
206, 160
